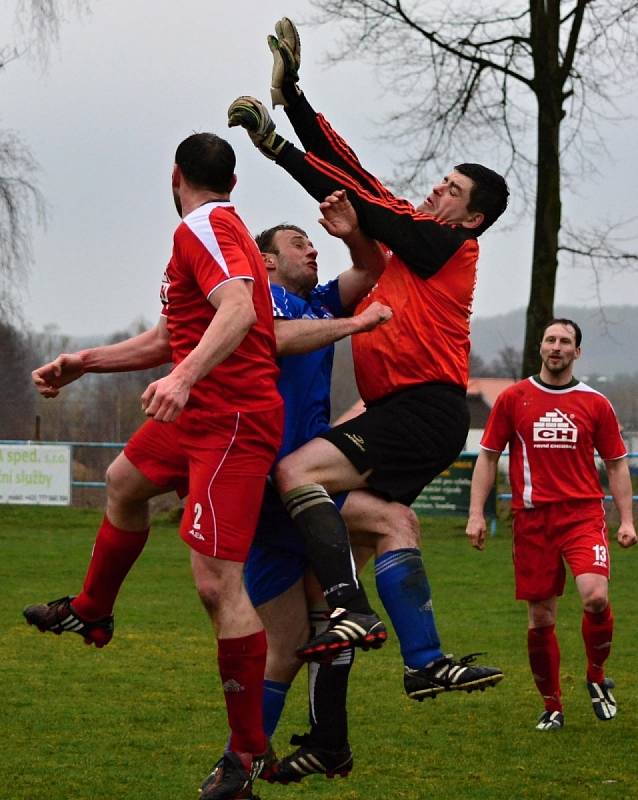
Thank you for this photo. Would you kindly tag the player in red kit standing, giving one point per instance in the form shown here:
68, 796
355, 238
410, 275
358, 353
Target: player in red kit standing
552, 423
214, 429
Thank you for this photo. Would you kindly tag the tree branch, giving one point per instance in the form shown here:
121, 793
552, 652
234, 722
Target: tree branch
479, 61
601, 245
574, 35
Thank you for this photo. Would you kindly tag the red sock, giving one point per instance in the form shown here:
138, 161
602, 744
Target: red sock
598, 629
544, 659
114, 553
242, 662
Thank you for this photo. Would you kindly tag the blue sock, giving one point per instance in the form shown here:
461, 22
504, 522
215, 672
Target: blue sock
274, 701
405, 593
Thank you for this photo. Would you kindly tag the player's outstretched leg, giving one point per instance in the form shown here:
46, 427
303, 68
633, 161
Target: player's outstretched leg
550, 721
285, 47
252, 115
446, 674
309, 759
59, 617
602, 700
346, 629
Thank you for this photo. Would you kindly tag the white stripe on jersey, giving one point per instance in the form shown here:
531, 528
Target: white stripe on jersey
223, 283
281, 311
199, 223
210, 485
578, 387
527, 476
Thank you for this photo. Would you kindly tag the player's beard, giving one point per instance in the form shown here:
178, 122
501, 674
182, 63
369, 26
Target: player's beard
295, 278
558, 368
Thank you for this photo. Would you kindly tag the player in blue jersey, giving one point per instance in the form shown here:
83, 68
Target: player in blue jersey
308, 320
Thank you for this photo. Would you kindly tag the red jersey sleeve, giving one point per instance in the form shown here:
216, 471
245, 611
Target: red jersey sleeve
607, 439
216, 252
500, 424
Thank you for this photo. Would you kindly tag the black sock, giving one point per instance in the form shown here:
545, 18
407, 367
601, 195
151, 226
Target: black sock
327, 693
327, 546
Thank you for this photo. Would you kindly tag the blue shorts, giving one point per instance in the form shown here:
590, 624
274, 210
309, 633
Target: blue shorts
277, 557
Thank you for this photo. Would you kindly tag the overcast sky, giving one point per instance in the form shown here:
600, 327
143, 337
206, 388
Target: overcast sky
129, 81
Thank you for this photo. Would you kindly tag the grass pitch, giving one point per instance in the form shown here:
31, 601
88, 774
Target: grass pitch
144, 717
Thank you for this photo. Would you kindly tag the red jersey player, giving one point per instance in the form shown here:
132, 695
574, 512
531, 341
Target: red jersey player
552, 423
213, 431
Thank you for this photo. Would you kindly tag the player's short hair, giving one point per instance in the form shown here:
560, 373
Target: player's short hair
489, 194
266, 239
207, 162
564, 321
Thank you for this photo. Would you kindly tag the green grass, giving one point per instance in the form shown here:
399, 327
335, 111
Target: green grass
144, 718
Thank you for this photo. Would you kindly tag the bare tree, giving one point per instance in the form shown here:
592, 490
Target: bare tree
478, 366
20, 201
98, 407
507, 363
37, 26
525, 82
17, 407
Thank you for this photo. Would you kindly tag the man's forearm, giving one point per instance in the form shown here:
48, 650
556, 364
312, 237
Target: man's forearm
367, 256
483, 480
368, 263
620, 488
299, 336
148, 349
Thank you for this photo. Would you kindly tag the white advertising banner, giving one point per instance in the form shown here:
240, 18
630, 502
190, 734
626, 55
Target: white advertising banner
35, 474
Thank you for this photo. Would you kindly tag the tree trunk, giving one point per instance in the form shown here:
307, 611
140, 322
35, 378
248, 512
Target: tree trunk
548, 89
540, 308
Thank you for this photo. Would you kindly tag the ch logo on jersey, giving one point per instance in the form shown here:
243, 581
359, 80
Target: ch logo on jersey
555, 427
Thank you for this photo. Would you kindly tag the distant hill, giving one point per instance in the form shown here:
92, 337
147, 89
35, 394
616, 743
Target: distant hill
610, 337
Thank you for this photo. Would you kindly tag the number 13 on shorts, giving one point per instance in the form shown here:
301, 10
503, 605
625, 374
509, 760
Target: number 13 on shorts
600, 555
